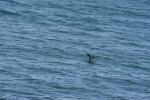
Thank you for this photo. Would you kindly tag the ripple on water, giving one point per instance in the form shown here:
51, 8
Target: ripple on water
43, 47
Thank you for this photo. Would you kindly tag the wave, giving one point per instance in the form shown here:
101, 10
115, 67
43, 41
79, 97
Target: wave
9, 13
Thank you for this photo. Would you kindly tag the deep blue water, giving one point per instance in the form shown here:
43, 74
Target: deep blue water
43, 46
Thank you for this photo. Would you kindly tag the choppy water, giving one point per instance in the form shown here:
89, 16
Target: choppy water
43, 46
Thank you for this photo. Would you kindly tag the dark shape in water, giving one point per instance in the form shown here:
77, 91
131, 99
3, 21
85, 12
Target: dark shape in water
91, 59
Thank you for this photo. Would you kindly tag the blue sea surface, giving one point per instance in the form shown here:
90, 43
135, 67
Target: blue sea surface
43, 47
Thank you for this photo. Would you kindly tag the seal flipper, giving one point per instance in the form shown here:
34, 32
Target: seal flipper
90, 58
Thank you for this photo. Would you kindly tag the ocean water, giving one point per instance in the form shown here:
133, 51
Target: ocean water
43, 47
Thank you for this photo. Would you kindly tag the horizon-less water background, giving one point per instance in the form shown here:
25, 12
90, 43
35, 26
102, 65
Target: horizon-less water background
43, 46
